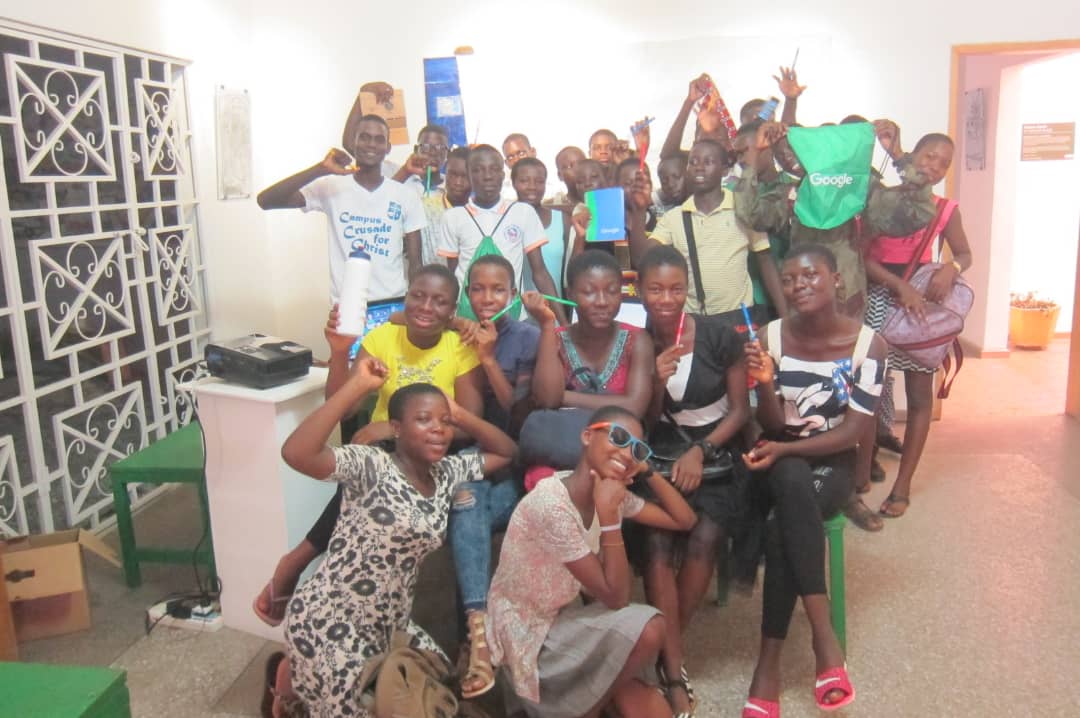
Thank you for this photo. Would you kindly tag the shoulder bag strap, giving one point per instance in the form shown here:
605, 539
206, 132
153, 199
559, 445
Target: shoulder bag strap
862, 347
928, 237
691, 247
773, 333
497, 224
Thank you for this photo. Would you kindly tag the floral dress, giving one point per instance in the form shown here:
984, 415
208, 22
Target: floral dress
363, 590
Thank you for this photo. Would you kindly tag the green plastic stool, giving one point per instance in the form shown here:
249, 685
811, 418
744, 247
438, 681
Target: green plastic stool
176, 459
30, 690
834, 536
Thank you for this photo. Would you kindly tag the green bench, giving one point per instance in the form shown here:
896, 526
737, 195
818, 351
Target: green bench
176, 459
32, 690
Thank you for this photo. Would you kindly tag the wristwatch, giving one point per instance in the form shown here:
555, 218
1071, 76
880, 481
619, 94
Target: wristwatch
707, 449
959, 269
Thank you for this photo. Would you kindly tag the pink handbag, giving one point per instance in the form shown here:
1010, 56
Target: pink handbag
927, 342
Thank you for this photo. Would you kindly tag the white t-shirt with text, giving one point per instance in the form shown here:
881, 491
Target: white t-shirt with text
377, 220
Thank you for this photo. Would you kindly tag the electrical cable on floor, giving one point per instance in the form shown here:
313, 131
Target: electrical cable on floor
181, 605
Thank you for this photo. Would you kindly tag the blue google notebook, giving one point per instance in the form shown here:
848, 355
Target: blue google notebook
608, 215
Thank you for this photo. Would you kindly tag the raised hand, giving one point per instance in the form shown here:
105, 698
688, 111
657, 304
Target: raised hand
467, 330
338, 162
759, 365
371, 372
484, 339
699, 87
888, 134
538, 308
383, 91
768, 134
417, 165
641, 191
339, 343
667, 362
620, 151
580, 221
788, 83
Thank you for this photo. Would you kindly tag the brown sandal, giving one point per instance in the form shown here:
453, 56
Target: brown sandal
479, 669
887, 504
862, 516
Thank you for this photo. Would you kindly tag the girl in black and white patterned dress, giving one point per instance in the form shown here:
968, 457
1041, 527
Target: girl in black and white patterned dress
819, 376
394, 512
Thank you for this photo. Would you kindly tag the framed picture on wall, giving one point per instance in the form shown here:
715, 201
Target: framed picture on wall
974, 130
232, 113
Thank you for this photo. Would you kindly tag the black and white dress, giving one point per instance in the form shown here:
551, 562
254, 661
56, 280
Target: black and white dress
696, 397
363, 590
817, 394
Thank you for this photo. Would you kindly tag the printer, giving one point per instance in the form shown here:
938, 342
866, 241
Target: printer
258, 361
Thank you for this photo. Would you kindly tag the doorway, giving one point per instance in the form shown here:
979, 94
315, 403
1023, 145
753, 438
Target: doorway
1010, 242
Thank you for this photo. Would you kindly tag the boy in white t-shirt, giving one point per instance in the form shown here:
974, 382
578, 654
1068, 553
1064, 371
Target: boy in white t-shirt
363, 209
514, 226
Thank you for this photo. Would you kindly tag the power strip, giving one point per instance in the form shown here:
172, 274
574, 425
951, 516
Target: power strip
202, 619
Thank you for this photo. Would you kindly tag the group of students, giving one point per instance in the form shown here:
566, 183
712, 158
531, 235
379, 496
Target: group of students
598, 446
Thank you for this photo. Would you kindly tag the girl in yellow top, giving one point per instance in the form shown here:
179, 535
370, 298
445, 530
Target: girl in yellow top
423, 350
420, 350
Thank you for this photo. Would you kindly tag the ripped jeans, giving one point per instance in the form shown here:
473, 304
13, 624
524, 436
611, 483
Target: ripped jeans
479, 509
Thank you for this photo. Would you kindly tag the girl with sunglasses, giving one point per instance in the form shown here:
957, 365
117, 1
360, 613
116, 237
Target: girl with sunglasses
819, 376
566, 659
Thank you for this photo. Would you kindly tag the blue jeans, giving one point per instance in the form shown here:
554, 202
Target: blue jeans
478, 510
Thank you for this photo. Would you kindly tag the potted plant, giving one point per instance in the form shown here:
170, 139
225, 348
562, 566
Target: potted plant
1032, 320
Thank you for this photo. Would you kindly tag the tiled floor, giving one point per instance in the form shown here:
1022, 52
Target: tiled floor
965, 607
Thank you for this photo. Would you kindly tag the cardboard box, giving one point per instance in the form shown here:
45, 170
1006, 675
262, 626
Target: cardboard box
393, 112
46, 583
9, 650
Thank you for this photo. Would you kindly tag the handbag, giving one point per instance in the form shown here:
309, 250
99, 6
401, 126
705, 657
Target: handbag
928, 342
552, 437
407, 682
720, 466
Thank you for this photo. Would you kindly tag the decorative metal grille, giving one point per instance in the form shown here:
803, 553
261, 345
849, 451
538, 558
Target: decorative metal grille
102, 307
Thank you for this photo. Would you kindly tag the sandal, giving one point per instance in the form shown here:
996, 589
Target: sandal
888, 503
478, 669
683, 682
760, 708
831, 680
266, 708
276, 614
689, 695
861, 515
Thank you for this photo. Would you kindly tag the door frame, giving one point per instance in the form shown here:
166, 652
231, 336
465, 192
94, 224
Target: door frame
1072, 393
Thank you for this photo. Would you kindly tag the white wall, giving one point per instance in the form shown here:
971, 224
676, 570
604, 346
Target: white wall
1047, 192
304, 62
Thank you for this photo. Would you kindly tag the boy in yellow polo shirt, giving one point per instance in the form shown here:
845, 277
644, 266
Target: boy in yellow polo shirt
721, 242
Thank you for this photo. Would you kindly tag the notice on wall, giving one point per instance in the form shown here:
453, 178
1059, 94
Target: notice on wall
1048, 141
232, 115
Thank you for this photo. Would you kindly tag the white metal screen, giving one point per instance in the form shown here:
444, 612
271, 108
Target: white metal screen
102, 308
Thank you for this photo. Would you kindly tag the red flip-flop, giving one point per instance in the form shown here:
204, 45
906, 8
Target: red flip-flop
831, 680
760, 708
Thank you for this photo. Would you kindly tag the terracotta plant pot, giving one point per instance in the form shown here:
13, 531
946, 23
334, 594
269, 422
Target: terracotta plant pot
1032, 328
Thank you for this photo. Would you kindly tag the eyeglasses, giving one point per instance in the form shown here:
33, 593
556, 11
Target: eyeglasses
519, 155
432, 149
620, 437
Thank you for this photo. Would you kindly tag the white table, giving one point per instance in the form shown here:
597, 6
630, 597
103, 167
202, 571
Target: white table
259, 507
